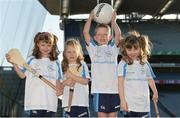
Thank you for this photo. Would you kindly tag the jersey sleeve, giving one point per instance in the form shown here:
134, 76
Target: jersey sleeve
121, 69
149, 71
85, 72
29, 62
91, 45
59, 70
113, 44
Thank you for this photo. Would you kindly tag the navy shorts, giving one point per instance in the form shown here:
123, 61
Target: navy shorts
41, 113
78, 111
136, 114
106, 103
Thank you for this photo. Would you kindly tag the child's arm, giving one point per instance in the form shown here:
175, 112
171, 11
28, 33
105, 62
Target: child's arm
69, 82
116, 29
19, 72
123, 102
78, 79
87, 28
16, 68
153, 88
59, 88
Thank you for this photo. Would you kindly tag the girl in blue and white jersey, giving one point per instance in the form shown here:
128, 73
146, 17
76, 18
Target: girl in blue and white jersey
136, 75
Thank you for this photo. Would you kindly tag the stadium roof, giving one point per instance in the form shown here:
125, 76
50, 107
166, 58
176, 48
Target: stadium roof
149, 7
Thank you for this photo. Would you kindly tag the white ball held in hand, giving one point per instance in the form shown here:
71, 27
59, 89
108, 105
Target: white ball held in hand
103, 13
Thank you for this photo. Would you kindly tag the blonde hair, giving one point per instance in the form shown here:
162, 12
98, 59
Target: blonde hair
103, 26
75, 44
134, 39
48, 38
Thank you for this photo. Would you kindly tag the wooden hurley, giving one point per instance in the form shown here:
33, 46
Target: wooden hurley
156, 108
17, 59
74, 70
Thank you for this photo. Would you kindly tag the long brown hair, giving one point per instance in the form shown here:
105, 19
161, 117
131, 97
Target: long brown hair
134, 39
48, 38
75, 44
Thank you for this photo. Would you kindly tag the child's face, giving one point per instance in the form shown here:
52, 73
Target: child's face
44, 48
133, 53
71, 54
102, 36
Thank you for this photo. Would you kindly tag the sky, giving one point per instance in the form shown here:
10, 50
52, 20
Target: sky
20, 20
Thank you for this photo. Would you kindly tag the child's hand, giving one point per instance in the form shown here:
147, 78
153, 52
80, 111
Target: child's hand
8, 57
91, 15
59, 91
69, 74
114, 16
59, 88
155, 97
69, 82
124, 106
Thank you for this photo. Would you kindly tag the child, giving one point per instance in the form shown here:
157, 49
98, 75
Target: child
103, 52
135, 73
40, 99
75, 80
